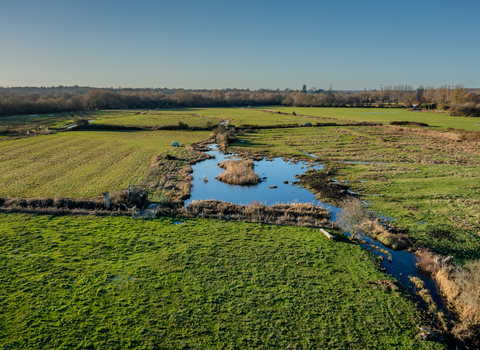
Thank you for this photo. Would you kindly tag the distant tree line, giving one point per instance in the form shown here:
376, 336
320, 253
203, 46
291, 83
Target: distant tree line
457, 100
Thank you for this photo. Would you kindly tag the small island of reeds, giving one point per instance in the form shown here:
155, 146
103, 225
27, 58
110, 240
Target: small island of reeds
238, 172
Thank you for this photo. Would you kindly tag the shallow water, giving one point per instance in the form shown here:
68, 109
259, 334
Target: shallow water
277, 171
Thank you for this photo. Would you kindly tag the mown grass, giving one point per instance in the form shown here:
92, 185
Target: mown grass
439, 121
81, 164
88, 282
154, 118
430, 185
239, 116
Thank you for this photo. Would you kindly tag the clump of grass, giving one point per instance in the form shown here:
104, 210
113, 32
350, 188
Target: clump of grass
238, 172
427, 297
417, 282
376, 230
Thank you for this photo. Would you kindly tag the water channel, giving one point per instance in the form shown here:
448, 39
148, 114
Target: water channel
399, 264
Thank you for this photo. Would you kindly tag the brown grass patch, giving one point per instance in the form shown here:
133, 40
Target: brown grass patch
417, 282
298, 214
460, 286
375, 229
238, 172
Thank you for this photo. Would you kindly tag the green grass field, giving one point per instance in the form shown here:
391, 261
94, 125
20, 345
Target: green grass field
88, 282
439, 121
81, 164
239, 116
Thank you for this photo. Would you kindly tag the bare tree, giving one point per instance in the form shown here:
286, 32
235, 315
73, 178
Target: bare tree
352, 216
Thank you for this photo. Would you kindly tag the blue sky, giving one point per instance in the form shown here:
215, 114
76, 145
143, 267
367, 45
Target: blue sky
242, 44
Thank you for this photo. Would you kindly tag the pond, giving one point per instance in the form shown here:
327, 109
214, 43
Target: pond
399, 264
276, 171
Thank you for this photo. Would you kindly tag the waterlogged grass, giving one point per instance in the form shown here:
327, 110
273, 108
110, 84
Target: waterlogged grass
429, 184
87, 282
438, 204
81, 164
439, 121
28, 122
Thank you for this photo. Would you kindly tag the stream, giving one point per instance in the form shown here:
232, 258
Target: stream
275, 172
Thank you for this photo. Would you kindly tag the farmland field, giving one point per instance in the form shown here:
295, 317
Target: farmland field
80, 164
89, 282
439, 121
154, 118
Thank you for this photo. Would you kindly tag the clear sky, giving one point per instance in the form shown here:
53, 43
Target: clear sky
242, 44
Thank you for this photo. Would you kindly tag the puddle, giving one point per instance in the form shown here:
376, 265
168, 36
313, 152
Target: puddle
307, 154
74, 125
385, 218
121, 278
179, 223
400, 265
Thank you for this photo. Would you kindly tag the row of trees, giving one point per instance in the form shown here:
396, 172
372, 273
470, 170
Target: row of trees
460, 101
105, 99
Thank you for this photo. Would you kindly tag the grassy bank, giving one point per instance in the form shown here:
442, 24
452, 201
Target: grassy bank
117, 283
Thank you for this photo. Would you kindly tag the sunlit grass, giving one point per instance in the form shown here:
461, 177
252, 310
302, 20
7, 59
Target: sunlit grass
78, 164
439, 121
113, 282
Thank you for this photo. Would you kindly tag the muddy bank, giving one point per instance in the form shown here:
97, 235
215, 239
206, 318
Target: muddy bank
321, 184
170, 171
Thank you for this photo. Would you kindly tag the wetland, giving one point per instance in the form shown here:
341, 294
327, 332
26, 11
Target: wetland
236, 266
